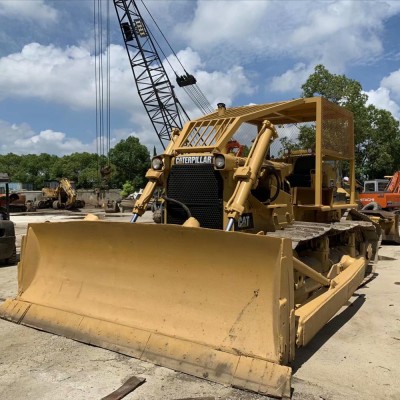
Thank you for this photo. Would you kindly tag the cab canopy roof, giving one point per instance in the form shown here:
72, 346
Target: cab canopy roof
4, 177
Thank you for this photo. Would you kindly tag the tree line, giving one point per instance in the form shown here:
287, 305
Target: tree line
128, 160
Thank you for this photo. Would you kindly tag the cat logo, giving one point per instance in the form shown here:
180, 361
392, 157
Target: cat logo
245, 221
194, 160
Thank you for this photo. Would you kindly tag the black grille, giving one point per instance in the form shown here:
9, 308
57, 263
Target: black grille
200, 188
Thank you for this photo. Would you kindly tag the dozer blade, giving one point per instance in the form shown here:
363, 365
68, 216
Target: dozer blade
208, 303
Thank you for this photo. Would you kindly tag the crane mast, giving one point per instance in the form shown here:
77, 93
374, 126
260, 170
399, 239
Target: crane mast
153, 85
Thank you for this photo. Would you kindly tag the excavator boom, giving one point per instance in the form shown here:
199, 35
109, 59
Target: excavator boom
60, 194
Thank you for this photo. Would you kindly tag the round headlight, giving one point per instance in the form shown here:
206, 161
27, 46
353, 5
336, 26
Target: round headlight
156, 163
219, 161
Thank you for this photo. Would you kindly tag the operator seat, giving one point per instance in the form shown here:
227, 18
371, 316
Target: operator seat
301, 175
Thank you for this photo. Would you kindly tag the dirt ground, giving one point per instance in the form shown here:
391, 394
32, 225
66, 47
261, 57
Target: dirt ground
356, 355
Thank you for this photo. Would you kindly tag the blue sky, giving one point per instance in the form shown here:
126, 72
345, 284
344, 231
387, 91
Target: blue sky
240, 51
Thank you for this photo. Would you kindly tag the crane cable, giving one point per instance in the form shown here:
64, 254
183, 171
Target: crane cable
193, 91
185, 116
96, 89
108, 84
197, 96
102, 84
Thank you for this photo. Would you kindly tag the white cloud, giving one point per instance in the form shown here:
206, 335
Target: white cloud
37, 10
328, 31
333, 36
63, 76
224, 21
387, 96
333, 33
217, 86
380, 98
392, 82
291, 80
225, 86
22, 139
330, 35
66, 76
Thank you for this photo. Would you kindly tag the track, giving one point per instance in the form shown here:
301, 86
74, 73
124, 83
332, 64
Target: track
366, 231
305, 231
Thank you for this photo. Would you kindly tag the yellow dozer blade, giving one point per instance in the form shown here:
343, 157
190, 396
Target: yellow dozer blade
217, 305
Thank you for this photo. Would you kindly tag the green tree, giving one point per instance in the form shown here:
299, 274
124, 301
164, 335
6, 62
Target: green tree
131, 160
35, 169
129, 163
11, 164
82, 168
377, 132
287, 145
127, 188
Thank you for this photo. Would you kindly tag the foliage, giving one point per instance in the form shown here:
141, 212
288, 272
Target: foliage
127, 188
131, 160
245, 151
131, 163
305, 140
377, 132
287, 145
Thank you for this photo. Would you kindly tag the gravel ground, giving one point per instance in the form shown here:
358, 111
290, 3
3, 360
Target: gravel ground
356, 355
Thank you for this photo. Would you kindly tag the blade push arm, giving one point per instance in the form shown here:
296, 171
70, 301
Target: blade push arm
155, 178
247, 175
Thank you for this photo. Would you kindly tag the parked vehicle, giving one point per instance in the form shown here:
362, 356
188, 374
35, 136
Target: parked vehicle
129, 201
8, 250
381, 202
16, 202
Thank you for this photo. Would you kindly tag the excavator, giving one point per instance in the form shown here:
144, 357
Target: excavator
59, 195
254, 255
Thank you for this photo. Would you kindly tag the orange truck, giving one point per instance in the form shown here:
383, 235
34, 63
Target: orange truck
381, 193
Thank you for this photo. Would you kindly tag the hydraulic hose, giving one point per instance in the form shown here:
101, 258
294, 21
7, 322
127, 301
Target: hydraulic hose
273, 172
185, 207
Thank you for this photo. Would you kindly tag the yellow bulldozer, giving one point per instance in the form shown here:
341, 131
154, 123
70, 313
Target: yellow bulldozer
254, 256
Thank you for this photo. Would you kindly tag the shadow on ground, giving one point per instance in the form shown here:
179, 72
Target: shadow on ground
303, 354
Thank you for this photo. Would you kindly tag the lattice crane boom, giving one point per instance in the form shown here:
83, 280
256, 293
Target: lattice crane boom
153, 85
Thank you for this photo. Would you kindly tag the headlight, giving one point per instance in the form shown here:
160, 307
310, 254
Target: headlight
157, 163
219, 161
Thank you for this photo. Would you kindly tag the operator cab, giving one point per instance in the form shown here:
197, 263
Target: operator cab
376, 185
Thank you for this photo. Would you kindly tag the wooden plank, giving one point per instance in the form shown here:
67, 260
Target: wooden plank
129, 386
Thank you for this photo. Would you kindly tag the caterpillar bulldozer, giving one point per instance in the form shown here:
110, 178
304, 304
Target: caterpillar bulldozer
254, 256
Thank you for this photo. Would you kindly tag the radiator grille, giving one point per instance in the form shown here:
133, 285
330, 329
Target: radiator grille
200, 188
